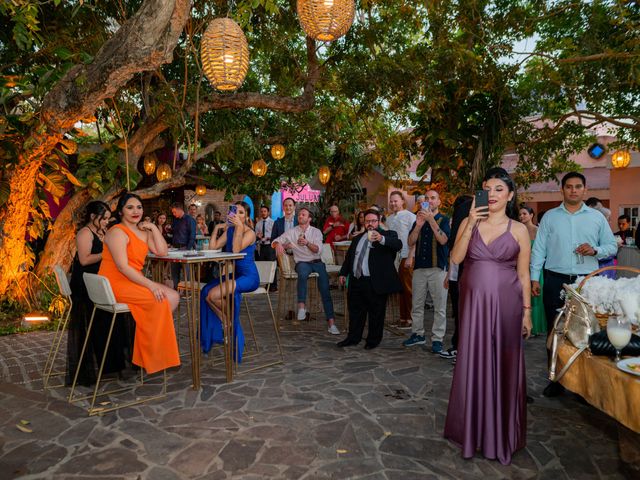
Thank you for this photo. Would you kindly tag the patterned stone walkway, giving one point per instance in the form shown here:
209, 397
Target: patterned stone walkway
327, 413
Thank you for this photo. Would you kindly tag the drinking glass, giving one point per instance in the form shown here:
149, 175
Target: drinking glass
619, 333
579, 257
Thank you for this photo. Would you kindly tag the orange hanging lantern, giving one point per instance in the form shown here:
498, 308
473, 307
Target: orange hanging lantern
324, 174
277, 151
163, 172
326, 20
225, 54
150, 162
201, 190
259, 168
620, 159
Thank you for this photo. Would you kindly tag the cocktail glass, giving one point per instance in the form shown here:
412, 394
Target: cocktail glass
619, 333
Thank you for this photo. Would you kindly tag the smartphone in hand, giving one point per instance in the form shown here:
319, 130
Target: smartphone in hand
233, 209
425, 205
482, 198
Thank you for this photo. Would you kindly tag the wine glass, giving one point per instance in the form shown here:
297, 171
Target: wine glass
619, 333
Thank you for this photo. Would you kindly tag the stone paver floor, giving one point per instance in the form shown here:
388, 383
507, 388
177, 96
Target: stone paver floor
327, 413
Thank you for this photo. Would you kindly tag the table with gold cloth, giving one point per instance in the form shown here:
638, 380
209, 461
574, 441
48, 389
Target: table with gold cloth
603, 385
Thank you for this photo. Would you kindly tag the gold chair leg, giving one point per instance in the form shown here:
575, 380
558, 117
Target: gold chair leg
93, 410
84, 347
275, 327
251, 326
104, 358
53, 352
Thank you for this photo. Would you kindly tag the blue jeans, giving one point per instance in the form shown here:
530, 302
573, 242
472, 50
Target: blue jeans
304, 269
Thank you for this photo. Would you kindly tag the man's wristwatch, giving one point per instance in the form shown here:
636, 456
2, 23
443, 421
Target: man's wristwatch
595, 252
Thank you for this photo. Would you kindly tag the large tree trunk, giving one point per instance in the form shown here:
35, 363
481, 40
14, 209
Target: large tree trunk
61, 246
16, 257
144, 43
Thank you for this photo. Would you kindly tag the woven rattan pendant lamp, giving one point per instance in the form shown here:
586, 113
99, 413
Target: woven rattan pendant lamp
163, 172
150, 163
278, 151
259, 168
324, 174
326, 20
225, 54
621, 159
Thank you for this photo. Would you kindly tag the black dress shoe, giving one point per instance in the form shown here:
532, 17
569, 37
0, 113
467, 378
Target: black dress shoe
346, 343
553, 390
369, 346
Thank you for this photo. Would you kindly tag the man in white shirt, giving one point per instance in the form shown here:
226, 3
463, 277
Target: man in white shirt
263, 235
401, 220
305, 242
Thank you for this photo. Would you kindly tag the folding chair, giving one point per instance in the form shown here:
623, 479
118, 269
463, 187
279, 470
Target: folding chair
267, 273
65, 292
102, 296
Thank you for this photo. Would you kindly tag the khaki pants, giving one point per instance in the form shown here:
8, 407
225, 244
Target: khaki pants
429, 280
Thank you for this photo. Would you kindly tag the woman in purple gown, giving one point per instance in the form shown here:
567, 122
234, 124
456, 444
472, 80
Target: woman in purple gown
487, 404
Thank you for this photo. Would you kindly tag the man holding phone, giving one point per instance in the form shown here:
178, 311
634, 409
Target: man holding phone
429, 235
570, 240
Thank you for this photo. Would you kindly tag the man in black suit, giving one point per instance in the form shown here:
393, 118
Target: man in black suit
286, 222
370, 265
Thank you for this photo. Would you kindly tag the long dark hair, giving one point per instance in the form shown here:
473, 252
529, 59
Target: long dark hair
247, 210
122, 202
500, 173
96, 208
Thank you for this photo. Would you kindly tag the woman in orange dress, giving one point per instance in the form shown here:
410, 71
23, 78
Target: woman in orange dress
126, 246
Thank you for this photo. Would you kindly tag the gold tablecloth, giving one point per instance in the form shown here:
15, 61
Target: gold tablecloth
603, 385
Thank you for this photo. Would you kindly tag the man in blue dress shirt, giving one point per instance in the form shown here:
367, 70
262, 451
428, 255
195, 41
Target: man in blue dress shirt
184, 236
571, 239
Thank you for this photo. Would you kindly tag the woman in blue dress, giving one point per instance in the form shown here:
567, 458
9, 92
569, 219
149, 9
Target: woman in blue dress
237, 236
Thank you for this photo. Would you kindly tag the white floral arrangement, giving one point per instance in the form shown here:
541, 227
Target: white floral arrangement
612, 297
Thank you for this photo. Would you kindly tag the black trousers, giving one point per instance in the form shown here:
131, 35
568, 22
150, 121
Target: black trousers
551, 296
363, 303
266, 253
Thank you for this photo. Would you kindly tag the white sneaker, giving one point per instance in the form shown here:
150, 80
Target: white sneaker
302, 314
333, 330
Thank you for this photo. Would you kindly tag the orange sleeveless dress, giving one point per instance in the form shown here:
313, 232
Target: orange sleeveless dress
155, 346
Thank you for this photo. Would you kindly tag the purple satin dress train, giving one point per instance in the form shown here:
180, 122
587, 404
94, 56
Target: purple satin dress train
487, 403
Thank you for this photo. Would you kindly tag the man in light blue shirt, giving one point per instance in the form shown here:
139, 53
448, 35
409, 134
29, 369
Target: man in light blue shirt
570, 240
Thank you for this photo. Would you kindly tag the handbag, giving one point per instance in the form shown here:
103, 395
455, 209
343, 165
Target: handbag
599, 344
576, 322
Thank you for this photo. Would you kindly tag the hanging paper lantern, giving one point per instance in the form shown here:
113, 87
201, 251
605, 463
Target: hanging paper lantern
163, 172
620, 159
150, 162
278, 151
259, 168
225, 54
324, 174
201, 190
326, 20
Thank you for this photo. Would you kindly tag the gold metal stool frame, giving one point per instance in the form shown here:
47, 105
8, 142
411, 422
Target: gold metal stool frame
102, 296
65, 291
